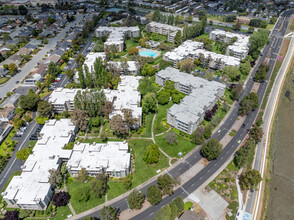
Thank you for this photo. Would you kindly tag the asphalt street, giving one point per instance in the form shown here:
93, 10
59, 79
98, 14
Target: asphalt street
229, 150
27, 68
257, 163
14, 164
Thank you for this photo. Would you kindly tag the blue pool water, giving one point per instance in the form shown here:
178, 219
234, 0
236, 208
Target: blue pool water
114, 9
148, 53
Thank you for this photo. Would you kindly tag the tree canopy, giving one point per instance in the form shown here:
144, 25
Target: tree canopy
109, 213
250, 179
211, 149
248, 103
135, 199
29, 101
149, 103
151, 154
154, 195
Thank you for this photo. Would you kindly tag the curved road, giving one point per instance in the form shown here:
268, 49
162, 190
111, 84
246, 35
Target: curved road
273, 47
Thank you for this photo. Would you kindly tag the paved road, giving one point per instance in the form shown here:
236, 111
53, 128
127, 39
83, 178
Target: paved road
14, 164
195, 157
252, 196
64, 80
11, 84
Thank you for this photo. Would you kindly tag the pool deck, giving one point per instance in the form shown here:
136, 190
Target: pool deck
154, 51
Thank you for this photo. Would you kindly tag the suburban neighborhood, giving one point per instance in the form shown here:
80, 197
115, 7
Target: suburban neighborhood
138, 109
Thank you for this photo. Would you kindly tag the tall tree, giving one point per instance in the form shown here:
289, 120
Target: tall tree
250, 179
45, 109
80, 119
29, 101
98, 185
152, 154
80, 59
154, 195
91, 101
135, 199
118, 126
178, 38
166, 184
55, 177
109, 213
149, 103
211, 149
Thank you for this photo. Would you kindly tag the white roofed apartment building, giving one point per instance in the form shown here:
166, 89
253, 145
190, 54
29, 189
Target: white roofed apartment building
31, 190
131, 67
116, 35
193, 50
164, 29
91, 58
201, 94
238, 49
126, 96
112, 158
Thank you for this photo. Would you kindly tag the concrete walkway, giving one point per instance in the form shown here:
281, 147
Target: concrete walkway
152, 133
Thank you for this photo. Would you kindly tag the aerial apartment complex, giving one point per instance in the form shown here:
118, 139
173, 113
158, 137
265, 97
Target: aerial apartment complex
32, 190
126, 96
193, 50
91, 58
116, 35
238, 49
164, 29
202, 95
112, 158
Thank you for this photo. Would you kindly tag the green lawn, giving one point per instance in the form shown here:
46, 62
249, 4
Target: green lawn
161, 114
83, 206
157, 37
8, 144
182, 145
98, 140
62, 213
3, 80
94, 131
32, 144
115, 188
107, 130
143, 171
130, 43
148, 123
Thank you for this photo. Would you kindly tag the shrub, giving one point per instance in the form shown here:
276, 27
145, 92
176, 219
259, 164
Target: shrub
60, 199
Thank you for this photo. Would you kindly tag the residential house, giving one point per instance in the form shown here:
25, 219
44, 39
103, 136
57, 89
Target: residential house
6, 114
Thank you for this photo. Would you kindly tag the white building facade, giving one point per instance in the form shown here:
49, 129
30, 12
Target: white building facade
202, 95
32, 190
164, 29
116, 35
239, 49
112, 158
126, 96
193, 50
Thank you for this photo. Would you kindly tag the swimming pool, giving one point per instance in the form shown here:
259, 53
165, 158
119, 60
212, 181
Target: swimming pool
147, 53
114, 10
